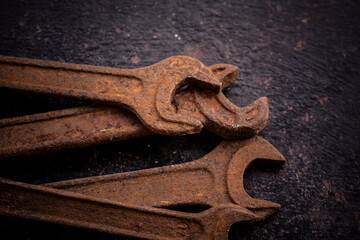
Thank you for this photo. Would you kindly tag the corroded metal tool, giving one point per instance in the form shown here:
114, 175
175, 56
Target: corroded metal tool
195, 200
148, 91
77, 210
151, 93
216, 178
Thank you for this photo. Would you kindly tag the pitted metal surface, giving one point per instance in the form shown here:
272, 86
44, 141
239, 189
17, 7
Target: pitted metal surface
153, 203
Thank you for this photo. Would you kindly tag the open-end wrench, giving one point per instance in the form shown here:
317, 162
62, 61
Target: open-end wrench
148, 91
78, 210
84, 126
216, 178
123, 203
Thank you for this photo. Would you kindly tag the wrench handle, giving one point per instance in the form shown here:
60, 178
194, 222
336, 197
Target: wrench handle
64, 129
66, 208
196, 183
101, 84
158, 187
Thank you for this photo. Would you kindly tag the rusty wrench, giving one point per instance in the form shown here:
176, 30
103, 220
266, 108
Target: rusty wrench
97, 203
78, 210
84, 126
208, 181
148, 91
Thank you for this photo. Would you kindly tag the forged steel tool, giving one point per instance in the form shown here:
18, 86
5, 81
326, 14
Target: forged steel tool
148, 91
216, 178
84, 126
78, 210
134, 204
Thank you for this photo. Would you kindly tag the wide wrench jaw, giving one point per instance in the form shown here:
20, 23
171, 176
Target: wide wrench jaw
254, 149
185, 102
198, 76
223, 117
230, 121
154, 106
217, 113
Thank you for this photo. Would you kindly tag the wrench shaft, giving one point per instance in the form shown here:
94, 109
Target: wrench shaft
77, 210
70, 80
64, 129
56, 206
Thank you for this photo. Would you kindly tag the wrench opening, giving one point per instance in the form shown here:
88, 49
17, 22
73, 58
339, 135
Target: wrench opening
258, 149
270, 208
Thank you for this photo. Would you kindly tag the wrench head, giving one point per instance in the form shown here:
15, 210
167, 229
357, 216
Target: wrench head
253, 149
230, 121
223, 117
155, 107
217, 113
184, 70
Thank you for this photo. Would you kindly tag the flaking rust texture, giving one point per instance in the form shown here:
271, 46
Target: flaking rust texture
195, 107
148, 91
209, 183
213, 180
204, 197
302, 55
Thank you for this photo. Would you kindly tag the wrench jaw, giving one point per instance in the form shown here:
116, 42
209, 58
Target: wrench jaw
223, 117
256, 148
154, 106
226, 73
167, 89
219, 219
185, 100
229, 121
217, 113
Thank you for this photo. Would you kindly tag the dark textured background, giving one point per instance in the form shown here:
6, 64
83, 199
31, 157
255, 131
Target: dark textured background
302, 55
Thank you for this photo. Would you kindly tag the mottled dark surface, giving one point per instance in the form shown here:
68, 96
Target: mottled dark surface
302, 55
